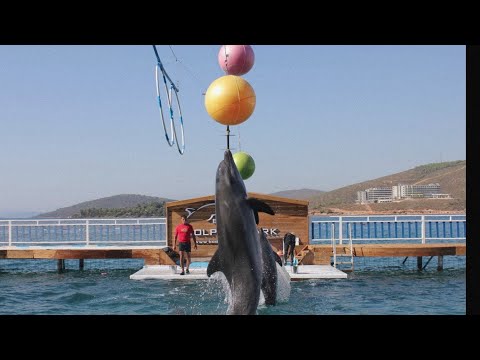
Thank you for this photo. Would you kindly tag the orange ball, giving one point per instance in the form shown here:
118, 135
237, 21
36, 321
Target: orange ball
230, 100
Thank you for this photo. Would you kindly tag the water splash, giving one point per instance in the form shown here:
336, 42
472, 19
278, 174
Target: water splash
283, 284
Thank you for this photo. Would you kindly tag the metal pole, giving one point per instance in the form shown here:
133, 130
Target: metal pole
9, 232
340, 229
87, 233
334, 246
228, 137
423, 230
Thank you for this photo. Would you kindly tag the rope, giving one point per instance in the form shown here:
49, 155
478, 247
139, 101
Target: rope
175, 56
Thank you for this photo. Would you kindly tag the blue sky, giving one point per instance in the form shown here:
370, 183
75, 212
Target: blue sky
79, 123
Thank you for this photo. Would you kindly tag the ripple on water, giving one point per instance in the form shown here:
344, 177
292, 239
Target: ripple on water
77, 297
386, 291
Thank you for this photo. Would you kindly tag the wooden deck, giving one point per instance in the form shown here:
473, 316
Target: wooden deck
316, 254
381, 250
321, 254
151, 255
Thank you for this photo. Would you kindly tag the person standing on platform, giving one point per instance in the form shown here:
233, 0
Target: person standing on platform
289, 247
184, 233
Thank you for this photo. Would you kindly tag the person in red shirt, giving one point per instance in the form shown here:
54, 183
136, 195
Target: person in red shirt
184, 232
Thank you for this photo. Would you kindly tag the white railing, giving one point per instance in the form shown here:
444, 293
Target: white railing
421, 228
152, 231
84, 232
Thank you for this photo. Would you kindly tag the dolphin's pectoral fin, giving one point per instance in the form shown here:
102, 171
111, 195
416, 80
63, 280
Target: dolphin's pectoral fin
260, 206
278, 259
214, 264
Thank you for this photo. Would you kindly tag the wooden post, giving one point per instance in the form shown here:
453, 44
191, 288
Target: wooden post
60, 265
80, 264
419, 262
440, 263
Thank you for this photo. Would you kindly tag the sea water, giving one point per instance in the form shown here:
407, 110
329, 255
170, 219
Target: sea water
378, 286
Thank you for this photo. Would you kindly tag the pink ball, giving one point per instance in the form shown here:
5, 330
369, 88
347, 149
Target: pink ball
236, 59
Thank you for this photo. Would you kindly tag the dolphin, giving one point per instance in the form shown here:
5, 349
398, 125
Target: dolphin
238, 255
269, 270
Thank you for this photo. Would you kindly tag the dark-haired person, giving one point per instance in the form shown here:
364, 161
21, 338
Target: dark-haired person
289, 247
184, 233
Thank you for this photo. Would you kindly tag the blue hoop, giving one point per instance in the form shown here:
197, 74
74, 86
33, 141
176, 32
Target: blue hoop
173, 137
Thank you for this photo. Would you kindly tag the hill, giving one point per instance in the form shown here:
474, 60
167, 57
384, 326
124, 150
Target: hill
450, 175
111, 202
301, 194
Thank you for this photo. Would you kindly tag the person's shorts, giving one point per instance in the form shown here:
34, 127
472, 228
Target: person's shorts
184, 247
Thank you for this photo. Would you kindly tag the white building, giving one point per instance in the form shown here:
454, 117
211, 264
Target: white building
400, 191
415, 191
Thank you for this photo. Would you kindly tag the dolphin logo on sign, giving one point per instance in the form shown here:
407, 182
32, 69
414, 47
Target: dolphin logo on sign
191, 211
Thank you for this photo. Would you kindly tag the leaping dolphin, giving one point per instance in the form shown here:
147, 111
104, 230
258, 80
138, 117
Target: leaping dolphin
238, 255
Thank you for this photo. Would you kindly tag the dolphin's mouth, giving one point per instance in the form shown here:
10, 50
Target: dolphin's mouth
228, 157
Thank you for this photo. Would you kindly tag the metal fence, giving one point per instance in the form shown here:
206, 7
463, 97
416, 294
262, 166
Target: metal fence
152, 231
397, 228
84, 232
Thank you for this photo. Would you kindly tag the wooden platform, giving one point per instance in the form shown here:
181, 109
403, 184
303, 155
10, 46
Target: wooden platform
166, 272
321, 254
386, 250
318, 254
151, 255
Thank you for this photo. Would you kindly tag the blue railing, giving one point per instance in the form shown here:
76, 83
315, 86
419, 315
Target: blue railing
152, 231
84, 232
386, 228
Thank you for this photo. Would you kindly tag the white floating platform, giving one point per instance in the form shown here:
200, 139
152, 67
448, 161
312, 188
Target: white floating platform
167, 272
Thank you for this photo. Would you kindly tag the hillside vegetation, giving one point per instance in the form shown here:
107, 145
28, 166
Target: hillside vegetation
124, 203
154, 209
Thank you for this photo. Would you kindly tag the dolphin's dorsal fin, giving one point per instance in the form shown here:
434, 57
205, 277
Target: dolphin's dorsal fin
214, 264
259, 206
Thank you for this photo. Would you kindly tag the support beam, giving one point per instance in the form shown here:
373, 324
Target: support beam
419, 262
431, 257
440, 263
60, 265
81, 264
404, 260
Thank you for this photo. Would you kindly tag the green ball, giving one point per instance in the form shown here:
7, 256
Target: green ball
245, 164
